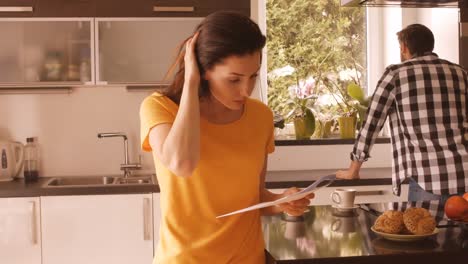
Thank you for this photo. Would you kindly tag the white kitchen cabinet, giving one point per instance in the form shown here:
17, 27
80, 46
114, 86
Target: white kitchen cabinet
156, 218
20, 233
97, 229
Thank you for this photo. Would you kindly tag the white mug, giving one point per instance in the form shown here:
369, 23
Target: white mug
343, 198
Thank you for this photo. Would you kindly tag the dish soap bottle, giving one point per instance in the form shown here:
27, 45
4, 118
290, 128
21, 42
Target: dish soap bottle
31, 161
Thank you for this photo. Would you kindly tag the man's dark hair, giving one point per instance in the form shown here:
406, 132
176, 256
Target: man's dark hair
418, 38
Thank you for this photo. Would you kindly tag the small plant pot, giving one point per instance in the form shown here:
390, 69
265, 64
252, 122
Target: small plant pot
304, 127
322, 128
347, 127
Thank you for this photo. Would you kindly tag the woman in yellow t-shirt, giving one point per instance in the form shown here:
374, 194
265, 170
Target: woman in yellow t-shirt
210, 143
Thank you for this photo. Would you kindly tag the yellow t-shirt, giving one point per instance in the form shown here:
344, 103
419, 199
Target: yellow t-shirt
227, 178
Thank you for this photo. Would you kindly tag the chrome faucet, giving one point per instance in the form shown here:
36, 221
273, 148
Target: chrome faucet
126, 166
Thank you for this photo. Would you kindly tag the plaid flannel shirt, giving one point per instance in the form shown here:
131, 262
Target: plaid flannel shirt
425, 100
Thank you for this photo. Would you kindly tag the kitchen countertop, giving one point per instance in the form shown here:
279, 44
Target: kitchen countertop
18, 188
326, 236
325, 141
336, 183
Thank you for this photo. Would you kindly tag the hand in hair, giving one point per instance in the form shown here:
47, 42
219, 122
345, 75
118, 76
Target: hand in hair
192, 73
177, 145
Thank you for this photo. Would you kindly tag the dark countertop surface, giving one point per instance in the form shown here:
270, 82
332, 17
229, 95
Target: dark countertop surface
336, 183
18, 188
325, 141
326, 236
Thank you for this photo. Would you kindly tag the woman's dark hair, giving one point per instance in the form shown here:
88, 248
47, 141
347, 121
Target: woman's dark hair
418, 38
222, 34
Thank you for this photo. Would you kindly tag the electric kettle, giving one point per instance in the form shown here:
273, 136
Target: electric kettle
11, 159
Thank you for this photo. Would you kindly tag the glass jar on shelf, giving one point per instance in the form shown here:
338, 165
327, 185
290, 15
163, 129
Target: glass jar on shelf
53, 66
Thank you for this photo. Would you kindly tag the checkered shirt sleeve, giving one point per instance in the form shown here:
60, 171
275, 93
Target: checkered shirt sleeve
380, 105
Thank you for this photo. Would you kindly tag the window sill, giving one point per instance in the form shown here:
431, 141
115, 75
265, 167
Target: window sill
324, 157
326, 141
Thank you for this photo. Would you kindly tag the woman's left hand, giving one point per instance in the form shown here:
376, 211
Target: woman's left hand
298, 207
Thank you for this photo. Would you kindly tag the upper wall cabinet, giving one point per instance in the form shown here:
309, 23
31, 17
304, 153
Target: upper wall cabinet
45, 52
168, 8
114, 8
48, 8
119, 8
139, 50
67, 43
17, 8
66, 8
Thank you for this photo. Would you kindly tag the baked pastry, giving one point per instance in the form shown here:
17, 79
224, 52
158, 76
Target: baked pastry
390, 222
419, 221
405, 231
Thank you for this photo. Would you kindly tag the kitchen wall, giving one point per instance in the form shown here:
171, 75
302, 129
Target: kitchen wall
384, 23
67, 124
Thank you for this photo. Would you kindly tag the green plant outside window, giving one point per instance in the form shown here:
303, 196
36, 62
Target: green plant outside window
316, 42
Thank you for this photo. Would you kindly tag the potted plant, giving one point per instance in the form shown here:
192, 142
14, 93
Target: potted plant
302, 99
361, 104
323, 123
347, 112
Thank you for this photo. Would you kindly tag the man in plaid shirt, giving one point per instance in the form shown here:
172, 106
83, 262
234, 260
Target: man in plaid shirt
425, 100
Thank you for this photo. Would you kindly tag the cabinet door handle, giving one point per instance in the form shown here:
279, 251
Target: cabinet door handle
146, 87
146, 219
173, 9
16, 9
33, 222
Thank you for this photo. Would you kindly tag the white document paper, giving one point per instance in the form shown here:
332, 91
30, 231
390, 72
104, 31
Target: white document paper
322, 182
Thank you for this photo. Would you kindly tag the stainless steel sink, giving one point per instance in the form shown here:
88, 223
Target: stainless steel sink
134, 180
101, 181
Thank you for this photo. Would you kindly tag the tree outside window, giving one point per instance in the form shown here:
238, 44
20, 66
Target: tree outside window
315, 50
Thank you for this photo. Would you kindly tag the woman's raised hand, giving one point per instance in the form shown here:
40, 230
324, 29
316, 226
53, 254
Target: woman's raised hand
192, 73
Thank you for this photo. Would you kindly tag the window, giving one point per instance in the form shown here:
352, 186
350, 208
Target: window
316, 49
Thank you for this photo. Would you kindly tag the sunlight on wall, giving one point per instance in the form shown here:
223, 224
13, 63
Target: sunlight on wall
384, 23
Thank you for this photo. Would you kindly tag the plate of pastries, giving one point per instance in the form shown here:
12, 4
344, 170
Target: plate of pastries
410, 225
